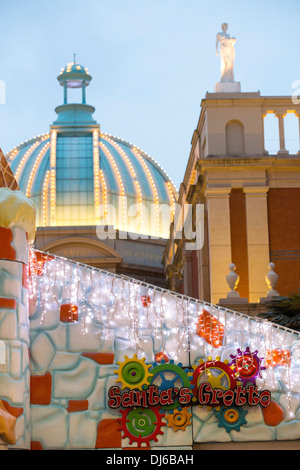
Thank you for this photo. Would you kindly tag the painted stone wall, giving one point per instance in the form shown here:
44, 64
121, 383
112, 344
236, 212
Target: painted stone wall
86, 325
17, 216
75, 339
78, 334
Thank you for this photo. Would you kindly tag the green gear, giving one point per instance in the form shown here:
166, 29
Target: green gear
231, 418
141, 422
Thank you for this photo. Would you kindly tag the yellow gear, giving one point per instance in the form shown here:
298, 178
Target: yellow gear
180, 419
133, 373
218, 374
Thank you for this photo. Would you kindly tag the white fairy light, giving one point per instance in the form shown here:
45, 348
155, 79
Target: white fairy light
107, 301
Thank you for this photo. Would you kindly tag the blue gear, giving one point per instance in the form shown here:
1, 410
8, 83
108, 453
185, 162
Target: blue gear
231, 418
179, 378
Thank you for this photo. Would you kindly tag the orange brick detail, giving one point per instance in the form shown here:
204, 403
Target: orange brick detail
36, 445
162, 356
100, 358
77, 405
238, 233
15, 411
272, 414
6, 250
37, 262
108, 434
68, 313
146, 300
210, 329
25, 276
277, 357
7, 303
40, 389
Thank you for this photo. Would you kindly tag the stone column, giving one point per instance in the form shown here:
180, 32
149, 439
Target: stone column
263, 134
282, 149
298, 116
17, 229
257, 239
219, 240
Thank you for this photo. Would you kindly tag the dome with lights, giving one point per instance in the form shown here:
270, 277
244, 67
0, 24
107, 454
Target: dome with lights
77, 175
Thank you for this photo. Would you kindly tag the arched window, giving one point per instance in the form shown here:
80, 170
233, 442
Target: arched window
235, 140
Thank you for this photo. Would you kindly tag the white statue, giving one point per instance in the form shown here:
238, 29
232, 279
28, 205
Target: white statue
227, 53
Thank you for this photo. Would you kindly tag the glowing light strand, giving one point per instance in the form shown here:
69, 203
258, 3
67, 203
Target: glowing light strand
120, 184
53, 178
34, 168
96, 174
133, 174
45, 198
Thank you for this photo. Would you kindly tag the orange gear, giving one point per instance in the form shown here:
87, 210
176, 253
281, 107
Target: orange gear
180, 419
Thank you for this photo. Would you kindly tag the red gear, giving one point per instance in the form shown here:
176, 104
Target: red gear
154, 425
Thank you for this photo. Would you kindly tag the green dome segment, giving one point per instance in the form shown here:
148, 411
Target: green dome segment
127, 176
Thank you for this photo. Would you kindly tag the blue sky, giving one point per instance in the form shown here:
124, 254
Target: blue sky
152, 62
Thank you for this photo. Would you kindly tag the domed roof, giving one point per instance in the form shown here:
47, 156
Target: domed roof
72, 193
78, 175
73, 67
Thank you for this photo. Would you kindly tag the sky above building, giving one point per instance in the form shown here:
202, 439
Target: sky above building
152, 61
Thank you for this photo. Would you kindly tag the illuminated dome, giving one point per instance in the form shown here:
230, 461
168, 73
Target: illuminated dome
77, 175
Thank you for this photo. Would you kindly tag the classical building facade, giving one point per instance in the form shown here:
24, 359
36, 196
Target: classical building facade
250, 201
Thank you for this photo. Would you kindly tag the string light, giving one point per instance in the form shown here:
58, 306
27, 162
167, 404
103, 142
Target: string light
171, 319
104, 192
45, 199
133, 174
120, 184
35, 166
53, 177
25, 158
154, 190
96, 174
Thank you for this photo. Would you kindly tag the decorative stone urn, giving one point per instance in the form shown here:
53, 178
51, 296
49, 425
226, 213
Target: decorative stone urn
271, 280
232, 280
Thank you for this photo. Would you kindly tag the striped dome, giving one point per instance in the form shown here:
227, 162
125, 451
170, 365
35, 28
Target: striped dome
91, 178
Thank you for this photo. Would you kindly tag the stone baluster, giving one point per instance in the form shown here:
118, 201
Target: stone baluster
282, 150
271, 280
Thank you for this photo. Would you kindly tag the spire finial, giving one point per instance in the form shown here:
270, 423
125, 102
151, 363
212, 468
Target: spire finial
74, 58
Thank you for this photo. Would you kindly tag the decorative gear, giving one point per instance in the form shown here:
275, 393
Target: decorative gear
168, 375
180, 419
231, 418
247, 365
133, 373
141, 425
218, 374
